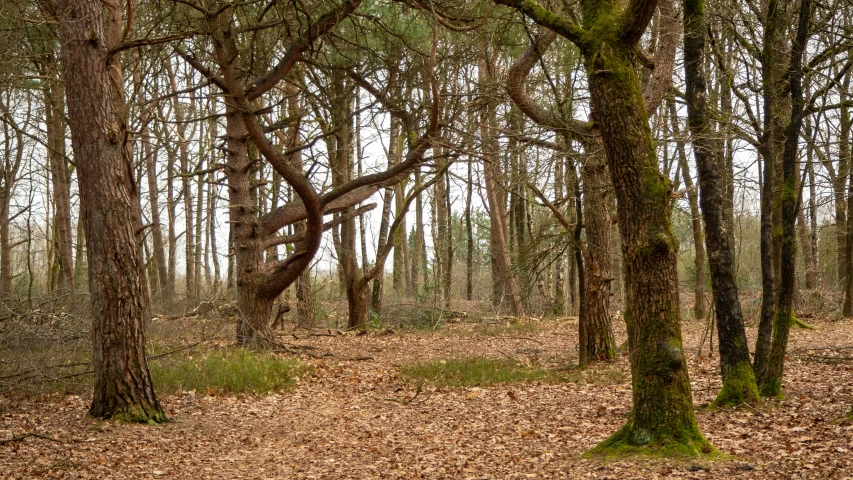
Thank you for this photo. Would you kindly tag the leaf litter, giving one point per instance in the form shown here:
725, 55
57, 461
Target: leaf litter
362, 420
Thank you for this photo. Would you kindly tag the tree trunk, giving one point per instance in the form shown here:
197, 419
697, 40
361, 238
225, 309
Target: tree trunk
166, 289
504, 291
9, 177
839, 187
696, 218
5, 249
61, 176
418, 252
255, 307
776, 105
600, 344
770, 380
662, 417
469, 231
387, 199
804, 236
739, 384
847, 306
120, 304
443, 247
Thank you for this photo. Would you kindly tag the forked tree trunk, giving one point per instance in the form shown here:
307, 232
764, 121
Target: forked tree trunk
663, 408
120, 304
773, 93
504, 290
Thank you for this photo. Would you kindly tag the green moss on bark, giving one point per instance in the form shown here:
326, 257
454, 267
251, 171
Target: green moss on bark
686, 442
797, 323
141, 415
739, 387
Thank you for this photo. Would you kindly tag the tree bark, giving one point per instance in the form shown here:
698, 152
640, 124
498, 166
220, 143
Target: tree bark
9, 177
600, 343
504, 290
662, 417
61, 180
120, 303
770, 380
739, 384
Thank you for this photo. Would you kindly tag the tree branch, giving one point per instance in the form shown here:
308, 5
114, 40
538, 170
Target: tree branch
325, 23
544, 17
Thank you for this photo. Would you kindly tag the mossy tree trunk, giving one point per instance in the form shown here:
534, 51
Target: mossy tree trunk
663, 408
739, 384
110, 209
662, 418
771, 380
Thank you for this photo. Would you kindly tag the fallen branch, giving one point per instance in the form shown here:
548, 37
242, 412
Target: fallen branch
18, 438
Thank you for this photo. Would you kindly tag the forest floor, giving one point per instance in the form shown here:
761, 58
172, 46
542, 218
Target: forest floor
360, 419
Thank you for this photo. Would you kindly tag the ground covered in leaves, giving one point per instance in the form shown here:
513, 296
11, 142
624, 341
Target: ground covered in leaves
356, 417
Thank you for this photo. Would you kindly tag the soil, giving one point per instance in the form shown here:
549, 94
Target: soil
358, 419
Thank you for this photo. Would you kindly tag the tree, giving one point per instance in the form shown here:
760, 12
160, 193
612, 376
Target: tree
662, 417
108, 196
770, 377
738, 377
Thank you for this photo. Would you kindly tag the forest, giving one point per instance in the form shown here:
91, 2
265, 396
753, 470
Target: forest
426, 239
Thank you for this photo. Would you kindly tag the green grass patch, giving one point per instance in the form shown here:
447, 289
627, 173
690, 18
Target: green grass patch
227, 371
477, 371
512, 327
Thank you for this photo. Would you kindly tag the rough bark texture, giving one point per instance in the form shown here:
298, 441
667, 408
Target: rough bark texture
662, 417
663, 411
255, 309
599, 341
738, 377
120, 304
769, 140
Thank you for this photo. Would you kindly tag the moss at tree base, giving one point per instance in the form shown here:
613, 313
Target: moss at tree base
739, 387
797, 323
151, 416
689, 443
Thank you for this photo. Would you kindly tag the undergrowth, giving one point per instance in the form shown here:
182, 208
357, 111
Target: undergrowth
227, 371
